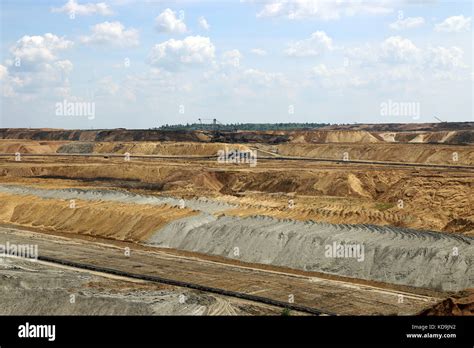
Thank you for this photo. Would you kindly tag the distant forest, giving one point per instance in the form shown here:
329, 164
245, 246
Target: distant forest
242, 126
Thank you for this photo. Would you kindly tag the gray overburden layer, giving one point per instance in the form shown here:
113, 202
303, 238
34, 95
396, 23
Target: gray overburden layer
381, 253
202, 204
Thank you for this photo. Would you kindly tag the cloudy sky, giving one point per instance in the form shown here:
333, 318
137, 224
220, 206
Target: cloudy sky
141, 64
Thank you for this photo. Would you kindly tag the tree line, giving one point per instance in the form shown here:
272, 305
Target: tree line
243, 126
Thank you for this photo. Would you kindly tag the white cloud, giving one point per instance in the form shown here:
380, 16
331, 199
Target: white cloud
65, 66
340, 77
323, 71
323, 9
34, 67
173, 53
39, 48
48, 79
404, 72
203, 24
262, 78
6, 87
112, 33
316, 45
149, 85
259, 51
106, 87
3, 72
454, 24
446, 58
367, 54
168, 22
232, 57
407, 23
399, 59
72, 7
399, 49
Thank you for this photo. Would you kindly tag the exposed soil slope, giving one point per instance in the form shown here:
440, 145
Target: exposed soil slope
460, 304
434, 200
105, 219
428, 133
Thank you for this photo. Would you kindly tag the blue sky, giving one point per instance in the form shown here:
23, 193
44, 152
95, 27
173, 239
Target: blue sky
142, 64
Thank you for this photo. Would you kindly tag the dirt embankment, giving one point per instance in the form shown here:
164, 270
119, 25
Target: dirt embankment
131, 135
427, 200
150, 148
412, 153
104, 219
419, 153
30, 146
101, 135
400, 127
336, 136
321, 136
441, 137
460, 304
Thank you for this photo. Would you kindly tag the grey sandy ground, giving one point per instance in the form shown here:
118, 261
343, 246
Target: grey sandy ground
37, 288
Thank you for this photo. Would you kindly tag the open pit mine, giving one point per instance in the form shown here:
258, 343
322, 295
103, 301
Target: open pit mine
342, 220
